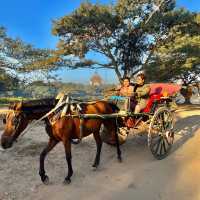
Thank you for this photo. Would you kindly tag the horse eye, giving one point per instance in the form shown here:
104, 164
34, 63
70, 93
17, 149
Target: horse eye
4, 120
15, 121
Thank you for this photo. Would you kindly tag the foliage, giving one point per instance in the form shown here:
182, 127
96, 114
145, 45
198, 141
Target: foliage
178, 57
7, 81
127, 37
41, 89
7, 100
120, 34
14, 53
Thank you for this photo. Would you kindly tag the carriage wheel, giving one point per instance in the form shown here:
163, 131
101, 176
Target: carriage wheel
160, 135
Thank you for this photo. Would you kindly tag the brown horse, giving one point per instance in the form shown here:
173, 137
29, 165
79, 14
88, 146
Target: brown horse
64, 129
67, 128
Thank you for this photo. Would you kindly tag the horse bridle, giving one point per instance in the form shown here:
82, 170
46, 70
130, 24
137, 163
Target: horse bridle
16, 122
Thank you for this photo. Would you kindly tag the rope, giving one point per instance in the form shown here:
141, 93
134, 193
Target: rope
81, 129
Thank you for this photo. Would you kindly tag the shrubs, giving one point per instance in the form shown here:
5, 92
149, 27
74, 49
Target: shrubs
6, 100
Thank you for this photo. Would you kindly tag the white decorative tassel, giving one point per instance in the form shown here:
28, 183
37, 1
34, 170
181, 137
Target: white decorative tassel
64, 111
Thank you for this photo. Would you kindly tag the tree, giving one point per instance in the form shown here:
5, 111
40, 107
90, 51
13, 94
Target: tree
7, 81
178, 57
14, 54
121, 34
129, 36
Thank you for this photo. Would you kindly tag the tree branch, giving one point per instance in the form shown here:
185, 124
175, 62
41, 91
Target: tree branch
151, 15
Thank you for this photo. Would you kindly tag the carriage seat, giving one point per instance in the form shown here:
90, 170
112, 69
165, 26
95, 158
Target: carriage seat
158, 90
153, 98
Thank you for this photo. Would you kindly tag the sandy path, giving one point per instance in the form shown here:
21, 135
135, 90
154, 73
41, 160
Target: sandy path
139, 176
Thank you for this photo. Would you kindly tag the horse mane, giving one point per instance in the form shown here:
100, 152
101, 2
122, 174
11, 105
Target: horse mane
36, 105
39, 102
44, 105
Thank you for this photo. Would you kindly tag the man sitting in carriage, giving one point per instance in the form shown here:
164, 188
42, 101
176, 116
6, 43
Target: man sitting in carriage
141, 93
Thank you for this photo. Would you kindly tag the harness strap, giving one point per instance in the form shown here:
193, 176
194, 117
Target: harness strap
67, 102
81, 129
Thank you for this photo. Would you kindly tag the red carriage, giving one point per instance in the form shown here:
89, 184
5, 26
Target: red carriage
156, 118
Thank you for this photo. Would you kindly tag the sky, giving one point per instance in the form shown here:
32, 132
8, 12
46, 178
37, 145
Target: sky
31, 20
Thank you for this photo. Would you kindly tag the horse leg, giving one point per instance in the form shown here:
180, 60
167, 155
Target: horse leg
113, 130
51, 144
68, 156
118, 146
98, 152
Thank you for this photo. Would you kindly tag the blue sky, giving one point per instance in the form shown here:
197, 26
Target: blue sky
31, 20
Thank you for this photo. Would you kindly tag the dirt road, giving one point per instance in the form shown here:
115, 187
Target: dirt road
138, 177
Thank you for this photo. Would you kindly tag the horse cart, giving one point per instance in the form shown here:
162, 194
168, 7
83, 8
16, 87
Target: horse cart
156, 119
67, 119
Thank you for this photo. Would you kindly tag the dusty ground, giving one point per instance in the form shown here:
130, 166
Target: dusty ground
138, 177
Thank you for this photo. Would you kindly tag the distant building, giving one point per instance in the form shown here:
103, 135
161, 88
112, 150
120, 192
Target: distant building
96, 80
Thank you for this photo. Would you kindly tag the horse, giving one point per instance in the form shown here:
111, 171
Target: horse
20, 114
68, 128
64, 130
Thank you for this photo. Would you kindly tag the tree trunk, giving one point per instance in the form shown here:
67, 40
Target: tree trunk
187, 94
118, 74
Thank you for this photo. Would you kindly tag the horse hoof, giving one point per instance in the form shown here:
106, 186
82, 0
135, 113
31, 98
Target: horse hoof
45, 180
75, 141
95, 166
120, 159
67, 181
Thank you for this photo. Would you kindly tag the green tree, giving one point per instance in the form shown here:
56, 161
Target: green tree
178, 57
7, 81
120, 34
14, 54
41, 89
130, 36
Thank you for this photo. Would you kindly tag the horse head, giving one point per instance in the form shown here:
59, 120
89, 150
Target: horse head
20, 114
15, 122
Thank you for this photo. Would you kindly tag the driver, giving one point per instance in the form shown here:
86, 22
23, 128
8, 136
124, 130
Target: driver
141, 93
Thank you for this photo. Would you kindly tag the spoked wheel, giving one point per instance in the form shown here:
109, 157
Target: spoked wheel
160, 135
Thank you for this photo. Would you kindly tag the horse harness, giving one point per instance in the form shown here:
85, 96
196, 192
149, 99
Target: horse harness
64, 108
69, 109
16, 122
